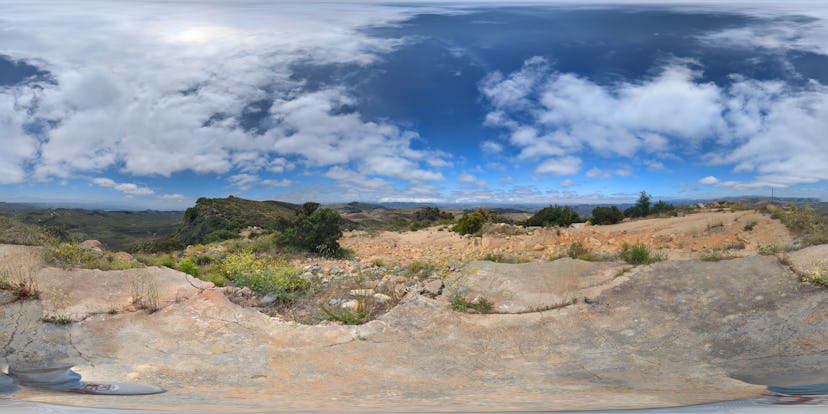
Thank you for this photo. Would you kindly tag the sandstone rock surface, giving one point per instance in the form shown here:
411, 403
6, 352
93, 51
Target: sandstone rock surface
673, 333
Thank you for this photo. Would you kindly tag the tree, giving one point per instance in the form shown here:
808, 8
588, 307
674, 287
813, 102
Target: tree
661, 207
634, 211
470, 223
318, 232
554, 216
643, 204
607, 215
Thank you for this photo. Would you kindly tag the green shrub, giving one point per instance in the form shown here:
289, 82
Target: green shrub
817, 277
282, 281
661, 208
187, 266
14, 232
459, 303
807, 224
419, 268
469, 224
57, 319
578, 251
212, 274
162, 260
633, 212
638, 254
482, 305
767, 249
346, 316
318, 232
220, 235
500, 258
243, 263
71, 255
562, 216
377, 262
606, 215
749, 226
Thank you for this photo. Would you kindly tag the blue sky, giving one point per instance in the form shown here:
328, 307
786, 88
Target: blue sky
139, 104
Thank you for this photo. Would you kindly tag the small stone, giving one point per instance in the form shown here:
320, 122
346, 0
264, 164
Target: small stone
349, 304
307, 276
97, 251
361, 292
268, 300
538, 248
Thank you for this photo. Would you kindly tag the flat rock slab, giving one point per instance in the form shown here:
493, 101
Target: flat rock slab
78, 293
809, 260
673, 333
529, 287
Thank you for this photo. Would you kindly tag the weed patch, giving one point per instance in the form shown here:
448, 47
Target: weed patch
638, 254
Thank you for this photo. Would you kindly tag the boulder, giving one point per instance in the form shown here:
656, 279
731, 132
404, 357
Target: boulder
90, 244
125, 257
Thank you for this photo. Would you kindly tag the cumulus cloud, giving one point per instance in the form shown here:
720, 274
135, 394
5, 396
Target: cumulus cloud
175, 197
170, 88
126, 188
491, 147
595, 172
18, 148
560, 166
768, 128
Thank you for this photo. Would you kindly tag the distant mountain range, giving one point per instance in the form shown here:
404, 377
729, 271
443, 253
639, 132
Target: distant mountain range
214, 218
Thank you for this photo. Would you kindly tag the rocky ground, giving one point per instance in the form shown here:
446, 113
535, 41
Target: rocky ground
569, 334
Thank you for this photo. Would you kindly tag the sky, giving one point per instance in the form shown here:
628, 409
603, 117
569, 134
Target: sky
153, 104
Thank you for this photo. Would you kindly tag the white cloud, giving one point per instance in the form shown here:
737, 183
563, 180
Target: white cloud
491, 147
625, 171
126, 188
568, 114
468, 178
18, 148
772, 130
560, 166
160, 90
709, 180
567, 183
175, 197
277, 183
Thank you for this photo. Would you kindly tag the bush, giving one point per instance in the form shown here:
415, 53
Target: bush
749, 226
282, 281
347, 316
187, 266
318, 232
71, 255
661, 208
469, 224
562, 216
638, 254
243, 263
578, 251
459, 303
500, 258
633, 212
606, 215
809, 225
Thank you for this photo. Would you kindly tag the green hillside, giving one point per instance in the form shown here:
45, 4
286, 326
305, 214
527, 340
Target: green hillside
117, 230
214, 219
